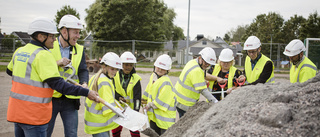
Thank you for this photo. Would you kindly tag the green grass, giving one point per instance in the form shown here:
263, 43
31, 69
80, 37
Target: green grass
3, 68
5, 60
174, 74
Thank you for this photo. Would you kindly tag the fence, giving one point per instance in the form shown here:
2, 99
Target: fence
148, 51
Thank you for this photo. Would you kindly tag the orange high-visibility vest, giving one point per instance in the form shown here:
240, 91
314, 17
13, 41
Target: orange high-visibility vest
30, 98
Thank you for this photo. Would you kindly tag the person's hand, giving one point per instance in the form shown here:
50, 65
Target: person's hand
84, 85
143, 101
63, 62
147, 106
122, 99
241, 78
93, 95
221, 80
229, 90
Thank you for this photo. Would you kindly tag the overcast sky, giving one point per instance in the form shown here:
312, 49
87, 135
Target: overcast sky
208, 17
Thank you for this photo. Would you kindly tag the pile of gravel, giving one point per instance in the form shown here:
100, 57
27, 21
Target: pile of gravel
278, 109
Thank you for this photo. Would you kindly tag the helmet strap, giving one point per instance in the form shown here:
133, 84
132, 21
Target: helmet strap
201, 62
296, 62
42, 43
67, 40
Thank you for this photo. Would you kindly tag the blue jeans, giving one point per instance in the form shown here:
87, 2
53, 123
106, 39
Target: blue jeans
24, 130
181, 112
69, 116
103, 134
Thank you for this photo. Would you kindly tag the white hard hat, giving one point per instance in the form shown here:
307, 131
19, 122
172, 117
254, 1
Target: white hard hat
112, 59
42, 24
226, 55
295, 47
70, 21
164, 62
128, 57
209, 55
252, 43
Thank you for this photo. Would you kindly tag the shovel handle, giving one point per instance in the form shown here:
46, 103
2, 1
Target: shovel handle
111, 107
241, 83
124, 103
147, 124
222, 85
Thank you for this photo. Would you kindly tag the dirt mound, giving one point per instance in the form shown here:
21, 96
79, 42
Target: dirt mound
279, 109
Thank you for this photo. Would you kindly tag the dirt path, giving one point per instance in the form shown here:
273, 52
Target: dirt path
6, 128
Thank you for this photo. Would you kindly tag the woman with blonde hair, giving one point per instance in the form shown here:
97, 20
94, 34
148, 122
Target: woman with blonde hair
224, 69
99, 118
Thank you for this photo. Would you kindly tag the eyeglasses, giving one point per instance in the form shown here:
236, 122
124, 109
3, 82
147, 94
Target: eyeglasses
49, 35
252, 51
204, 62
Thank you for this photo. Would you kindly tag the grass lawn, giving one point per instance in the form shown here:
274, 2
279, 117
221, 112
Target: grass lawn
3, 67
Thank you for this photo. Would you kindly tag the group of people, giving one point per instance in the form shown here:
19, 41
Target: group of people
39, 90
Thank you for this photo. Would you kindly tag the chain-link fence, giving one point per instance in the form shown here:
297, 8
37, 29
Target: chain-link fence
275, 52
145, 51
148, 51
314, 51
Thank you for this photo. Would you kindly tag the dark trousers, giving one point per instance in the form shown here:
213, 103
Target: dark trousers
159, 130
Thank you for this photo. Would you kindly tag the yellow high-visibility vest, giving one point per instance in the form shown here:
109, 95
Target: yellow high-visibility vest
162, 95
253, 75
97, 117
232, 72
306, 70
75, 59
135, 78
190, 82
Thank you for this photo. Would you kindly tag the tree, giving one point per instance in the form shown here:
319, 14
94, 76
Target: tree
291, 28
236, 34
226, 37
264, 27
311, 28
148, 20
66, 9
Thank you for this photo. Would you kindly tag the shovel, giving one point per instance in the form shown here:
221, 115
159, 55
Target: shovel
222, 90
73, 72
241, 83
128, 118
148, 131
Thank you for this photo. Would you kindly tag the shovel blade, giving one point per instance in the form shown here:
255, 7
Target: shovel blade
133, 120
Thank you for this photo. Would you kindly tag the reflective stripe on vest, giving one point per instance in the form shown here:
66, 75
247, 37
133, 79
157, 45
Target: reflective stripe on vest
166, 83
93, 105
146, 94
92, 124
30, 98
309, 68
184, 79
161, 117
188, 87
306, 65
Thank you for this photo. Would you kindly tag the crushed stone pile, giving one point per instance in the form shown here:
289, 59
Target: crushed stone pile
278, 109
